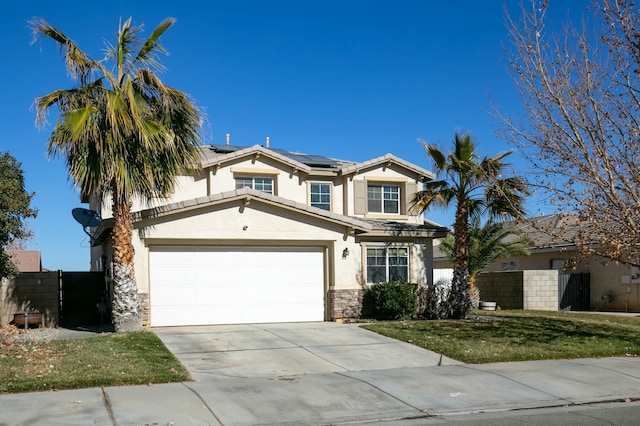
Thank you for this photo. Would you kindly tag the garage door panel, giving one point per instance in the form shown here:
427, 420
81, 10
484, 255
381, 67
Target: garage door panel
204, 285
172, 273
213, 294
222, 277
218, 315
254, 274
178, 312
175, 297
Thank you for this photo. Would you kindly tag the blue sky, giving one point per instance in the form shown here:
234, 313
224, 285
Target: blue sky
346, 79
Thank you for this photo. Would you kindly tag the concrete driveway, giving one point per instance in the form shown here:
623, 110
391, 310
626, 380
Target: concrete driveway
296, 373
326, 373
291, 349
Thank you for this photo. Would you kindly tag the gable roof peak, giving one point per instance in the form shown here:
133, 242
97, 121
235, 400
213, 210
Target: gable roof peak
217, 155
355, 168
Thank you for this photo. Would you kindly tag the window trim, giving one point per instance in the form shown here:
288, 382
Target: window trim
253, 182
383, 186
387, 263
309, 194
408, 189
509, 265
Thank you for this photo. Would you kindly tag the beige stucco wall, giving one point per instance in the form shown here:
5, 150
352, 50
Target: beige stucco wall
267, 225
608, 279
187, 188
289, 183
256, 224
259, 223
383, 173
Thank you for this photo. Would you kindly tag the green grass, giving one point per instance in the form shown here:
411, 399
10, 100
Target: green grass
521, 335
106, 360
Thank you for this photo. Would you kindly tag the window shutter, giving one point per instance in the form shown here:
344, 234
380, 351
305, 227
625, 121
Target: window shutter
410, 189
359, 197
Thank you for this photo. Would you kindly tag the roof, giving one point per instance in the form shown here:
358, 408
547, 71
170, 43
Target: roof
309, 160
388, 159
219, 154
26, 260
555, 232
249, 194
381, 228
214, 156
362, 227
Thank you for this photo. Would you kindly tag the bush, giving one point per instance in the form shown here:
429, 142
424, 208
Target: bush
390, 301
434, 300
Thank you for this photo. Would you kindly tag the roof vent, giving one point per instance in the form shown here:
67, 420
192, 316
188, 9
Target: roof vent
266, 142
228, 137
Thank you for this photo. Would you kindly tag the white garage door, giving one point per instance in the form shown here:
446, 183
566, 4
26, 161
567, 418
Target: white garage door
202, 285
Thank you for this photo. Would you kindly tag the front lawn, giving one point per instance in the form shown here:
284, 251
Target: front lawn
105, 360
521, 336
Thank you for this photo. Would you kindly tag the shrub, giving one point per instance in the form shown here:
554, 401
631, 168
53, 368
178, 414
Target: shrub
434, 300
390, 301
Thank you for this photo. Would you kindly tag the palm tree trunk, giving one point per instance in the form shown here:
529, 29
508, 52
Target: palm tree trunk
126, 304
459, 297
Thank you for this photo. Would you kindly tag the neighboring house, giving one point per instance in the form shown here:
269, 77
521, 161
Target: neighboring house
266, 235
26, 260
612, 287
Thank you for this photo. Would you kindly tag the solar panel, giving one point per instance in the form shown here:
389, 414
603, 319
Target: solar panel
225, 149
319, 160
309, 160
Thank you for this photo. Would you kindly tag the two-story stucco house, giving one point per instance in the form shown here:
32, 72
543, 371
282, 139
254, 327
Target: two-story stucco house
266, 235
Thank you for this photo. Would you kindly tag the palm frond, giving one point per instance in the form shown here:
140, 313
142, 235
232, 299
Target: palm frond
488, 243
506, 196
151, 47
133, 136
464, 148
79, 65
437, 156
437, 194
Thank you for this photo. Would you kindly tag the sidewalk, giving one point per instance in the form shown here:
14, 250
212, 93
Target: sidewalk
392, 394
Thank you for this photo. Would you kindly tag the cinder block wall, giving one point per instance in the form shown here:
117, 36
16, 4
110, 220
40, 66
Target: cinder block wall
505, 288
540, 290
30, 291
534, 290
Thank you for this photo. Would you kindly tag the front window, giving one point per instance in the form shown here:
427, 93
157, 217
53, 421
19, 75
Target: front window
383, 199
510, 265
320, 195
258, 183
387, 264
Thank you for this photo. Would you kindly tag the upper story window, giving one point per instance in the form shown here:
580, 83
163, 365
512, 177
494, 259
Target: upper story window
263, 184
383, 199
320, 195
510, 265
386, 264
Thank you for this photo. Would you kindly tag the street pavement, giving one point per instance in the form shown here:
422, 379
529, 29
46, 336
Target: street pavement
328, 373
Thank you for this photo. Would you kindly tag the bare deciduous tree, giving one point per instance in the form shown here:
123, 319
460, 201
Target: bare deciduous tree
580, 131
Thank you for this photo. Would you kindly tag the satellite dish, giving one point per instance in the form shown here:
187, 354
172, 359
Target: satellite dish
87, 218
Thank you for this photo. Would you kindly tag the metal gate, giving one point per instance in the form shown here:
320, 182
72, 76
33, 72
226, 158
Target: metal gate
81, 295
574, 291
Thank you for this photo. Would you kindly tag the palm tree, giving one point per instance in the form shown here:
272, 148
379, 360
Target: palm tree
487, 243
123, 134
477, 188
